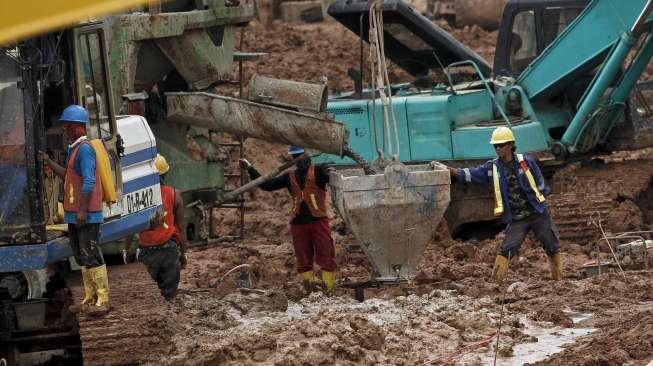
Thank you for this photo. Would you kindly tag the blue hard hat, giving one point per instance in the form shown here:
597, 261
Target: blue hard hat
74, 113
294, 150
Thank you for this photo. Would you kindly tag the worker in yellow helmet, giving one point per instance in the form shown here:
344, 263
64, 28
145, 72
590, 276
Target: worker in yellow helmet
162, 248
519, 197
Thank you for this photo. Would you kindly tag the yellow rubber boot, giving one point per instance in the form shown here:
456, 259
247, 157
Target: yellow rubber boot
329, 279
89, 292
308, 281
555, 263
101, 282
500, 271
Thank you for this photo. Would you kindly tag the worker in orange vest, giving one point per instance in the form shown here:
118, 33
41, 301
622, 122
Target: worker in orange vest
519, 198
311, 233
83, 196
162, 248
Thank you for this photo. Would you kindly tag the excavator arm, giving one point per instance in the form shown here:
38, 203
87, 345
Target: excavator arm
22, 19
591, 36
603, 36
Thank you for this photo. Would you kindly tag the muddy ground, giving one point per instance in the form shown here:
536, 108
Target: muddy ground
452, 313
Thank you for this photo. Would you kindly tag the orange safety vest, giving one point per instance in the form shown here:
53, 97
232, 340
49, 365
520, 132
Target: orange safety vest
163, 233
73, 186
312, 195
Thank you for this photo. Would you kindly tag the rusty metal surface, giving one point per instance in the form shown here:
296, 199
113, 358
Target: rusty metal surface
248, 119
181, 38
196, 58
286, 93
393, 215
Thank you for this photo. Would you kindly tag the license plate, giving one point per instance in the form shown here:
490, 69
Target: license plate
140, 200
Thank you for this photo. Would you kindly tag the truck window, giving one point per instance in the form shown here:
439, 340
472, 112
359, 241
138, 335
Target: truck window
94, 88
555, 20
523, 42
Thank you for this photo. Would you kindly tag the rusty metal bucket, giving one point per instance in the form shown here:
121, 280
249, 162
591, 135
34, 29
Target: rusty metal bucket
393, 215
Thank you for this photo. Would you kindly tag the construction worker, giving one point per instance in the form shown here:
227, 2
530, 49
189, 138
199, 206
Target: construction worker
83, 196
519, 192
311, 233
163, 247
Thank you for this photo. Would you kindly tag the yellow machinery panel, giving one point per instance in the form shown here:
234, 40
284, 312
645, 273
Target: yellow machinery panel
24, 18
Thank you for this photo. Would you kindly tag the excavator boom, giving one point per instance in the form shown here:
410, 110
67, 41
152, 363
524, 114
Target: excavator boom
592, 35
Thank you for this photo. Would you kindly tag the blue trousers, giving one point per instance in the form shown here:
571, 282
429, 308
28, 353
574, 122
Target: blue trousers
544, 229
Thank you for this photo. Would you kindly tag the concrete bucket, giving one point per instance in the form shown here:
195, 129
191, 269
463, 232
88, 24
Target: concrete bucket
393, 215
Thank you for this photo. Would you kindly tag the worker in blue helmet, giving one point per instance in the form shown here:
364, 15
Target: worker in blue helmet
83, 196
310, 229
295, 150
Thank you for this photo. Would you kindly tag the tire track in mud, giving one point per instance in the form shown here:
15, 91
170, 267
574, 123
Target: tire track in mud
600, 187
137, 329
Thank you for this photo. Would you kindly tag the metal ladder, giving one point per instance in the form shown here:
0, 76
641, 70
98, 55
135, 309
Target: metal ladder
239, 57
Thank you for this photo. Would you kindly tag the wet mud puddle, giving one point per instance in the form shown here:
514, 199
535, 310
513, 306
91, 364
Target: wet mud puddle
550, 340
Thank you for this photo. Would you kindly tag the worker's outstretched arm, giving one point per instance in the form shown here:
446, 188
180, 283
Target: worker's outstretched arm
481, 174
180, 223
56, 168
273, 184
322, 174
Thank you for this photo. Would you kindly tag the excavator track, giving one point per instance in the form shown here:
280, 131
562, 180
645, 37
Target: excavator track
597, 188
138, 326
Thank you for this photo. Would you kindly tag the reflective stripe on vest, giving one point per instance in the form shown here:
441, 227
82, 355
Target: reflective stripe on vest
312, 195
498, 199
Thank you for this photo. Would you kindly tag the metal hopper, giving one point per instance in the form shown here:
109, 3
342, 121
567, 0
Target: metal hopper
393, 215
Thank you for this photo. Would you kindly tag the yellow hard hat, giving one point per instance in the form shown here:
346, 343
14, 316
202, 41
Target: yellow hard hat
502, 135
161, 164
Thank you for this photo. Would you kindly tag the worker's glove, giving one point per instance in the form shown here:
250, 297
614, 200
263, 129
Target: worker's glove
436, 165
244, 163
453, 172
157, 219
183, 260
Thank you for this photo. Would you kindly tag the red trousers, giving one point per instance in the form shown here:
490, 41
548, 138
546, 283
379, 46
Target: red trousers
313, 243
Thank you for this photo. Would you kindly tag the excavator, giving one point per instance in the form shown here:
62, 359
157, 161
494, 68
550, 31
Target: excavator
565, 93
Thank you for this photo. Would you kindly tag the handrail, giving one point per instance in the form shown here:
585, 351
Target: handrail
483, 79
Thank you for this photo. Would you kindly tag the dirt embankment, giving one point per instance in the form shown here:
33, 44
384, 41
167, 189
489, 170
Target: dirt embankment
310, 52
